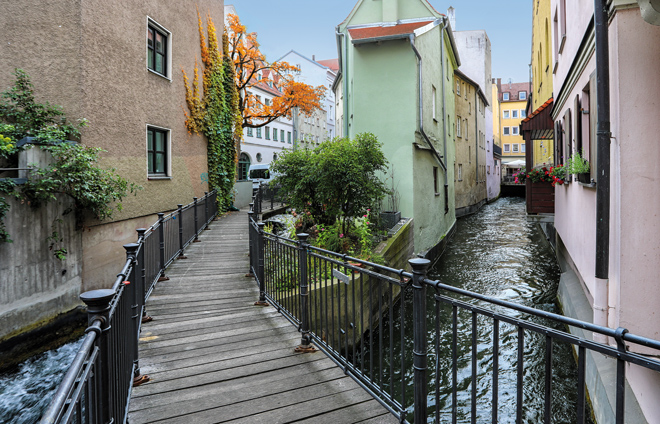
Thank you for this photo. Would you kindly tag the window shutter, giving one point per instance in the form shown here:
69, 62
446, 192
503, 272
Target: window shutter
593, 118
578, 125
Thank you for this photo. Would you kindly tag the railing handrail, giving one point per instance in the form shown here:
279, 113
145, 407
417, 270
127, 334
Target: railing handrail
63, 406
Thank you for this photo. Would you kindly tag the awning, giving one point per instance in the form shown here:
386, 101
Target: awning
539, 125
515, 163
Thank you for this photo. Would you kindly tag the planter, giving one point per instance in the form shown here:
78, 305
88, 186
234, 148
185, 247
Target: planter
389, 219
540, 198
584, 178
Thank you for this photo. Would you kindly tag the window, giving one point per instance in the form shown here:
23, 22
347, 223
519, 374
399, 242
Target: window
243, 167
282, 136
274, 134
436, 185
505, 96
258, 157
258, 132
515, 148
514, 113
267, 101
523, 113
460, 172
267, 133
488, 169
433, 96
288, 137
249, 132
506, 131
458, 126
515, 130
157, 49
258, 98
157, 151
274, 156
522, 147
458, 88
505, 114
522, 95
507, 148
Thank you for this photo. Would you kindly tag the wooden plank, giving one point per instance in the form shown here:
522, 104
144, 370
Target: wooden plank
214, 357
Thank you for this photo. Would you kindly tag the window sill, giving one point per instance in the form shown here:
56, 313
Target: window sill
158, 177
159, 74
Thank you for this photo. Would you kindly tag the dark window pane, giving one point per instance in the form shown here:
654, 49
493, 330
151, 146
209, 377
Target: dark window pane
150, 140
159, 43
151, 163
160, 63
150, 43
160, 163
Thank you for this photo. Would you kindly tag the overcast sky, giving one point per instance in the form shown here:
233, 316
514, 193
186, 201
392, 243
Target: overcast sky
308, 27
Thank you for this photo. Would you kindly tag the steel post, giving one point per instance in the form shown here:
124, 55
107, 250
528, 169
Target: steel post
161, 238
420, 267
180, 217
251, 242
142, 280
206, 209
261, 274
98, 309
136, 316
196, 224
306, 339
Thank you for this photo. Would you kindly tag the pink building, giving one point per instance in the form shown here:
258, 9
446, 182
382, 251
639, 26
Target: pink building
612, 279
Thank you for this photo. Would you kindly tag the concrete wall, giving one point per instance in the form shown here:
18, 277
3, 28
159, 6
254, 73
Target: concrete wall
35, 286
243, 197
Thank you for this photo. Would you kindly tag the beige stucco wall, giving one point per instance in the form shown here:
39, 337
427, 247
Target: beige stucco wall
91, 58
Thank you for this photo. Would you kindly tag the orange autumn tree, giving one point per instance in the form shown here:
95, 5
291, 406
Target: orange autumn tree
252, 70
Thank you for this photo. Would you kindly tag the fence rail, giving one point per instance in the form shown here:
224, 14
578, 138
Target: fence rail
97, 385
429, 367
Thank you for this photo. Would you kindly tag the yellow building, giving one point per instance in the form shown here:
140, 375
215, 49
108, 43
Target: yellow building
543, 67
512, 99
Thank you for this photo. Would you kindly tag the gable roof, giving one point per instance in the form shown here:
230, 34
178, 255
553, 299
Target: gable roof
333, 64
426, 3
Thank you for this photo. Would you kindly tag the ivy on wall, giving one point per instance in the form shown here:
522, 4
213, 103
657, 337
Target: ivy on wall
215, 114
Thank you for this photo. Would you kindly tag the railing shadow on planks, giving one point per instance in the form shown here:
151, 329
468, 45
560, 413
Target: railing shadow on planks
97, 386
428, 368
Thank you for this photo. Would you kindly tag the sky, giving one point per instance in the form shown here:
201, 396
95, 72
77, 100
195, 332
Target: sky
308, 27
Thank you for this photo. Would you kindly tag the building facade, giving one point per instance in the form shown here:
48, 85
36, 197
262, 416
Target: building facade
470, 167
404, 46
513, 105
608, 259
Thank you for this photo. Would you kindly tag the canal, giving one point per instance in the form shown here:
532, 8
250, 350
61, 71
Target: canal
494, 252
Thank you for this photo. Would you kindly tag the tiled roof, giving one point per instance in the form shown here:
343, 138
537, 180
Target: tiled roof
538, 110
384, 31
333, 64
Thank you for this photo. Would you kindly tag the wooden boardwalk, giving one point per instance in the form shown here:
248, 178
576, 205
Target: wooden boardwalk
213, 357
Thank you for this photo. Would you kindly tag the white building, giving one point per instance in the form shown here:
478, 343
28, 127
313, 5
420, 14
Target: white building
321, 125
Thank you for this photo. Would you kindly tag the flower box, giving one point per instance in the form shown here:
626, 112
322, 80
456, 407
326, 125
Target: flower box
389, 219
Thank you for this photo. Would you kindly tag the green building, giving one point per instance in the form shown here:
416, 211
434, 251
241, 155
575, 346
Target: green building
396, 66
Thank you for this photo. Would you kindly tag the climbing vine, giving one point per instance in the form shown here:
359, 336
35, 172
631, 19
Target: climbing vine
215, 114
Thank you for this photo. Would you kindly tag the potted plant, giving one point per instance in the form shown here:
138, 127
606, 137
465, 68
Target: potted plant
579, 166
391, 216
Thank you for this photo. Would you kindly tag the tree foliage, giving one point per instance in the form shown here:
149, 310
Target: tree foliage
215, 113
252, 70
337, 179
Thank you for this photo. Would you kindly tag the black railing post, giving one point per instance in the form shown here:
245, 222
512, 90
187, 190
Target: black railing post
180, 218
196, 225
142, 290
306, 339
206, 209
420, 267
161, 238
261, 272
251, 242
98, 309
136, 316
272, 198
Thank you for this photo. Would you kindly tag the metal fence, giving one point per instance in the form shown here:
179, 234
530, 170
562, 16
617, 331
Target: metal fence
266, 198
354, 311
97, 386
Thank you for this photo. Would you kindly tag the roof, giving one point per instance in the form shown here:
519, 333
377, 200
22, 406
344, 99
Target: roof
539, 125
539, 110
385, 30
462, 75
333, 64
513, 91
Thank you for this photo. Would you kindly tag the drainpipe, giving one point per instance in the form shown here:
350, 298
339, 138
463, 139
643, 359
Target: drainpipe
476, 131
343, 73
603, 135
421, 109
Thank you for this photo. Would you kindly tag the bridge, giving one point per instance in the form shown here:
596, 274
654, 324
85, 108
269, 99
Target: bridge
184, 335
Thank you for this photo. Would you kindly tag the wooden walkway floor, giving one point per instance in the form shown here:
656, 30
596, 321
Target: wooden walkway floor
213, 357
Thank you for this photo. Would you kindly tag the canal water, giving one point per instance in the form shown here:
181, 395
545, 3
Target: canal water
26, 392
494, 252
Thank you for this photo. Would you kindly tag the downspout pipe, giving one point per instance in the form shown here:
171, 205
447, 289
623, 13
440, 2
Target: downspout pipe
421, 104
343, 74
444, 105
603, 137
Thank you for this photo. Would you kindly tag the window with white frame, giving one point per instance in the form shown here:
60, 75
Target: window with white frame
506, 114
522, 95
274, 134
522, 147
458, 126
505, 96
249, 131
458, 88
514, 113
505, 131
267, 133
158, 48
523, 113
460, 172
514, 130
507, 148
158, 152
515, 148
259, 132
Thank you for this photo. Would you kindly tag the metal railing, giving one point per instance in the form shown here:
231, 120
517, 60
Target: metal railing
98, 384
266, 198
355, 311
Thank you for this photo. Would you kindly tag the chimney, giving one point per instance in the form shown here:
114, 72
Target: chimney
451, 14
314, 57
